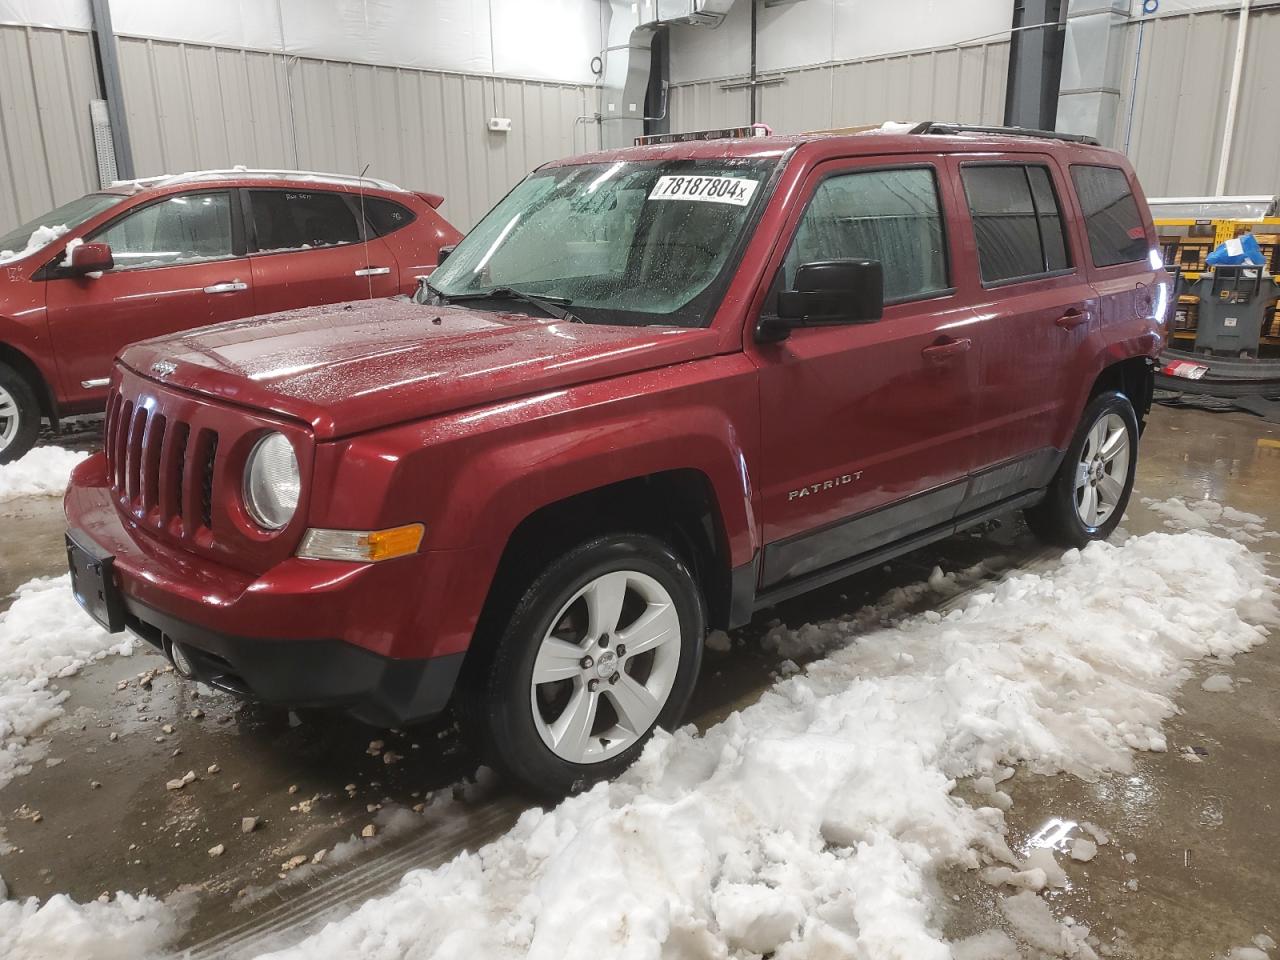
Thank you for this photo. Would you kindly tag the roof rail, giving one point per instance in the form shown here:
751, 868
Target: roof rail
196, 176
939, 127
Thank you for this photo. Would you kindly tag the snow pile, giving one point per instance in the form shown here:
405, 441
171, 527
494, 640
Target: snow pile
127, 928
813, 822
812, 639
42, 472
40, 237
1210, 515
44, 636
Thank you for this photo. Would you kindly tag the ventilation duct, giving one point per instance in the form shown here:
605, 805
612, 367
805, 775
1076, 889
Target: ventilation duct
628, 59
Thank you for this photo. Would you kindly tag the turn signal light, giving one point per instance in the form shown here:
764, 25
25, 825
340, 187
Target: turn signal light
367, 546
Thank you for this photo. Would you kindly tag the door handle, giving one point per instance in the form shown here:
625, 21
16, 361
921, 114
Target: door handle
373, 272
942, 352
230, 286
1072, 319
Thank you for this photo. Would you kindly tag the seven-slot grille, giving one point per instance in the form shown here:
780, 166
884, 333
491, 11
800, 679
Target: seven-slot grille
160, 468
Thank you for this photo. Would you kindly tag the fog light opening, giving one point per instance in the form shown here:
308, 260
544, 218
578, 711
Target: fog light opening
181, 661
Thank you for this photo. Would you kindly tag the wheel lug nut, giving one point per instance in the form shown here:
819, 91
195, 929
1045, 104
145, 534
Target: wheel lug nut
622, 650
614, 678
586, 663
604, 639
593, 685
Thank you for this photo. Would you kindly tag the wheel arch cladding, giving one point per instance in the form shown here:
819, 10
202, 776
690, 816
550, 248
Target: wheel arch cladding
677, 506
1134, 378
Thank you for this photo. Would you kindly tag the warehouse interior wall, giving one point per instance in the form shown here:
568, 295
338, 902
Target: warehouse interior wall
402, 87
834, 63
406, 86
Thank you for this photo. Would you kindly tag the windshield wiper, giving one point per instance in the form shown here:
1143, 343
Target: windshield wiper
551, 306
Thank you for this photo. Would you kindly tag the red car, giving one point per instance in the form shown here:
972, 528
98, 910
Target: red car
654, 390
146, 258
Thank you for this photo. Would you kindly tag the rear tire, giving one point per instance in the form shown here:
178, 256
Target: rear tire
558, 700
1089, 493
19, 415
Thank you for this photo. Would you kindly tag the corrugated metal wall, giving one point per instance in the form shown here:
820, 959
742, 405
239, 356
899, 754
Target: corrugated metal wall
47, 78
1183, 78
965, 84
195, 106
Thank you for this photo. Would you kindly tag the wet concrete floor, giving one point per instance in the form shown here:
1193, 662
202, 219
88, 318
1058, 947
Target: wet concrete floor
1202, 830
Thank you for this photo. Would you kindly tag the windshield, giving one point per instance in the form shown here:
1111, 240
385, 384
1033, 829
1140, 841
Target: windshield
632, 242
42, 231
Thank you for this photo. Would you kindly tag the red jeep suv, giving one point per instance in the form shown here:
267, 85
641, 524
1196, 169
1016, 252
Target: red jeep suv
156, 256
654, 390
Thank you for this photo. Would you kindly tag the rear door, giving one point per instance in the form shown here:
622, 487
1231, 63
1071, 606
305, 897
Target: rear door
1128, 271
179, 263
1035, 308
311, 247
866, 427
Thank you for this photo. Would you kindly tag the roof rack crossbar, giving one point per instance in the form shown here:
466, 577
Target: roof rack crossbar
942, 128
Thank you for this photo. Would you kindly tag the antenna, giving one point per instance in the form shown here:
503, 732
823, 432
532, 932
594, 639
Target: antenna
364, 228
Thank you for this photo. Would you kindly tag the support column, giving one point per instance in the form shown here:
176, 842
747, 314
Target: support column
1035, 64
1092, 65
112, 90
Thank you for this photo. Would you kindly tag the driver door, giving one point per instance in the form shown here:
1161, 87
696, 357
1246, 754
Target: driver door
179, 264
867, 427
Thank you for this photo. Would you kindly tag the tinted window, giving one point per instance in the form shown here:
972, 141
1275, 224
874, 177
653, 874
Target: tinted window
1116, 232
184, 229
291, 220
1049, 214
888, 215
386, 216
1016, 221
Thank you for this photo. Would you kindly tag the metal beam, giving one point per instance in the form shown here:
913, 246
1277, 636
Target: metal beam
112, 90
1035, 64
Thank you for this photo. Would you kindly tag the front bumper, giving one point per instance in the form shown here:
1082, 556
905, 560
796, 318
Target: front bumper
305, 633
379, 690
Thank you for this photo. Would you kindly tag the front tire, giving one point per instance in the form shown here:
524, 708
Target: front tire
602, 647
19, 415
1089, 493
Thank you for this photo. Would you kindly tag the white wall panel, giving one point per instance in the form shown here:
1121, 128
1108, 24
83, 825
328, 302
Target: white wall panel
965, 84
811, 32
1177, 115
46, 143
193, 107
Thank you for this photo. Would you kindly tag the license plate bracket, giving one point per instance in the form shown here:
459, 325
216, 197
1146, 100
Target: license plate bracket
93, 581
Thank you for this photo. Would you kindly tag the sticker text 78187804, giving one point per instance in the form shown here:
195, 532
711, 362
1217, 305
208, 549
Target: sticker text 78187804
735, 190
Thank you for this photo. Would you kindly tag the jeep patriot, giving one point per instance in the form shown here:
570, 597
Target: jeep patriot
656, 389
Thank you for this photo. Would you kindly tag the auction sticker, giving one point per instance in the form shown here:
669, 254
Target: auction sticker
735, 190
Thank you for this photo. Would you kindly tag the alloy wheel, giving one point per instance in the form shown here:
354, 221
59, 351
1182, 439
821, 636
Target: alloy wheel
1103, 470
9, 419
606, 667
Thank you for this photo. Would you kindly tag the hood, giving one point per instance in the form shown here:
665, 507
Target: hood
347, 368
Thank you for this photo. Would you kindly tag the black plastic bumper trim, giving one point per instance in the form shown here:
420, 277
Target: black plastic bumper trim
382, 691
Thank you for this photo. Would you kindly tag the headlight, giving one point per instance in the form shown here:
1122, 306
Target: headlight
272, 483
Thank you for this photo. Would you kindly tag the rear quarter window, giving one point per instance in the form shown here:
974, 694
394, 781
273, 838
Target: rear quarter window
386, 216
1115, 228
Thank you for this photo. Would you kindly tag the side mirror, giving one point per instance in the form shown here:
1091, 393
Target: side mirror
89, 258
834, 291
444, 252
